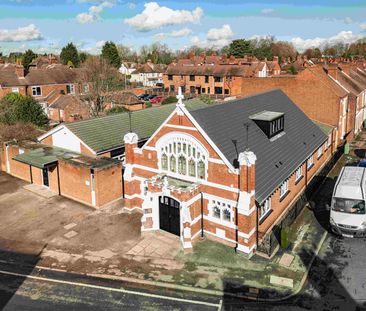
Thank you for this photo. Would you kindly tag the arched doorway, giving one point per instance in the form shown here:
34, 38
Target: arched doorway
169, 215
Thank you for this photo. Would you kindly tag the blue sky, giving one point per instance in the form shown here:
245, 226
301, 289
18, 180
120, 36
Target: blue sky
47, 25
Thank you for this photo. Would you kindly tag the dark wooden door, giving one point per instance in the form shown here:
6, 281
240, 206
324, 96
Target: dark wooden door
45, 177
169, 215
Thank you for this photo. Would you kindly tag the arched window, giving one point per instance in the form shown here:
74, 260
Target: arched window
201, 170
164, 162
182, 165
173, 164
183, 155
192, 168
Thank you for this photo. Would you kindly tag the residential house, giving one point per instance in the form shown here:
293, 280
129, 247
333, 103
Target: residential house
148, 74
44, 61
354, 82
126, 100
12, 79
68, 108
127, 68
316, 93
220, 76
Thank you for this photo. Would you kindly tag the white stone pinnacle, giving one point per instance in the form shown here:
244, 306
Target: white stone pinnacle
180, 97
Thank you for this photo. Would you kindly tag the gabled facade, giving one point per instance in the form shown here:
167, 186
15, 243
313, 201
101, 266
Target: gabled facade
198, 175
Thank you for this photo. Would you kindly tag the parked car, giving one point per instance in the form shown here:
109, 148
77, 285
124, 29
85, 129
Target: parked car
362, 163
347, 214
156, 100
143, 96
150, 97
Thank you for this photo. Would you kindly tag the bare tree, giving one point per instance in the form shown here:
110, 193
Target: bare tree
103, 79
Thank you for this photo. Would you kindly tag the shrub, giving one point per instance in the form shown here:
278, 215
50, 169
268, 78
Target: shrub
117, 109
169, 100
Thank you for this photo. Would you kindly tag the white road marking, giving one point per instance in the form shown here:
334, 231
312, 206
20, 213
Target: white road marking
220, 305
120, 290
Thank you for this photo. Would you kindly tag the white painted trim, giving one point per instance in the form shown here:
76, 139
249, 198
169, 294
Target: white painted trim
246, 212
217, 221
209, 196
51, 132
61, 127
182, 127
204, 182
336, 81
150, 148
211, 143
7, 159
218, 161
130, 197
246, 235
92, 190
192, 200
200, 130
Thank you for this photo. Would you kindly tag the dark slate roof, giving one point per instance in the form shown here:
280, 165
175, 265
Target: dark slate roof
227, 123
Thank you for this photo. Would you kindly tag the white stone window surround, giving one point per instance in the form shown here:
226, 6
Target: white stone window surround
222, 206
265, 208
298, 173
284, 189
165, 145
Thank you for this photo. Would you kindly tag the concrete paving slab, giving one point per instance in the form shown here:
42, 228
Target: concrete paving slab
277, 280
70, 226
40, 190
286, 260
70, 234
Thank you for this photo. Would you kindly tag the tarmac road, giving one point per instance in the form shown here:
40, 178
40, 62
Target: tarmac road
52, 290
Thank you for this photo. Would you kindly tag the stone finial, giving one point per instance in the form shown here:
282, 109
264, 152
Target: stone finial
130, 138
247, 158
180, 97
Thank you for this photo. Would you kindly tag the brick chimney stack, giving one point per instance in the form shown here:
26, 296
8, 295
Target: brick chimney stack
19, 69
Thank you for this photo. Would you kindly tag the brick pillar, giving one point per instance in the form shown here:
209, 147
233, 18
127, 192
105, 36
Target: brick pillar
246, 203
130, 140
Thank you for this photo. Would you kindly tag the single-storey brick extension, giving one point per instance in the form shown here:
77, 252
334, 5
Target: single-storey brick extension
230, 172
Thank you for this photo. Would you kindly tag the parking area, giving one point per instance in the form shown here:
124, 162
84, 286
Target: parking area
62, 223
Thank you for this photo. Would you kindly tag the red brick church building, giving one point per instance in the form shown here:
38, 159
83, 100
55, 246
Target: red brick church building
229, 172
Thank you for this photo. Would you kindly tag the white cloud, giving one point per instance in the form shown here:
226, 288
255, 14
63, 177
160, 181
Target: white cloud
215, 38
222, 33
131, 5
341, 37
93, 13
348, 20
100, 44
267, 11
181, 32
363, 26
155, 16
27, 33
159, 36
175, 34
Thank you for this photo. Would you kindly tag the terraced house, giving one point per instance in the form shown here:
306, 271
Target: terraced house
216, 75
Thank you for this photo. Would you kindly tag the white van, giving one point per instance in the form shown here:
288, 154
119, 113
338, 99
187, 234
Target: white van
347, 214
